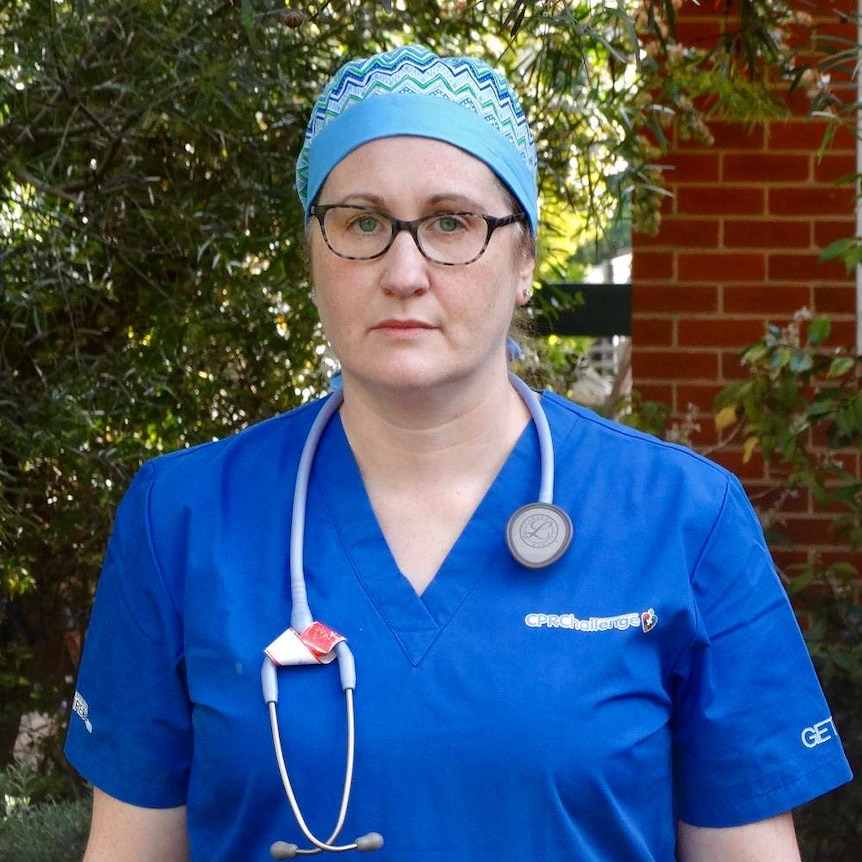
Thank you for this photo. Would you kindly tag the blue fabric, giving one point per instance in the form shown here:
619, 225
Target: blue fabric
411, 91
423, 117
655, 672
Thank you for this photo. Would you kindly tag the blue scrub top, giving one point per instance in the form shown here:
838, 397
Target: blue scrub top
654, 673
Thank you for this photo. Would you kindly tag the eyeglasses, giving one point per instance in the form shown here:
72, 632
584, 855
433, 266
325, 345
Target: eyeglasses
447, 238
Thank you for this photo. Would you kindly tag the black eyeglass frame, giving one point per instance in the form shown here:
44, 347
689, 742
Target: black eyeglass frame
319, 211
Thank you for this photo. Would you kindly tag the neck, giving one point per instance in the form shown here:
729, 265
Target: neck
437, 434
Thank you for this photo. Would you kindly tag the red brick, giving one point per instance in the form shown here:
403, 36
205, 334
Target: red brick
766, 233
836, 18
839, 556
835, 168
654, 365
731, 366
661, 393
786, 266
765, 168
843, 334
678, 232
724, 200
767, 494
699, 15
798, 102
827, 231
671, 298
704, 34
651, 332
817, 530
692, 167
797, 134
811, 200
720, 332
702, 436
830, 299
702, 395
734, 460
737, 136
649, 264
720, 267
766, 299
790, 560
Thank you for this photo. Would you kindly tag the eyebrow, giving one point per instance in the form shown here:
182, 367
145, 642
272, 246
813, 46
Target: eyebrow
453, 199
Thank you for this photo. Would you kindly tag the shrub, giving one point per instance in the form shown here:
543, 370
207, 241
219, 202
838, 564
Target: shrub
801, 406
34, 826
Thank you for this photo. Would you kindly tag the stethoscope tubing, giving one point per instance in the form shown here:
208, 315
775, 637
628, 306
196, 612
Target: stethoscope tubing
301, 618
543, 431
291, 796
300, 614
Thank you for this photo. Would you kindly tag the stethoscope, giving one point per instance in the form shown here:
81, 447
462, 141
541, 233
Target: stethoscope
537, 535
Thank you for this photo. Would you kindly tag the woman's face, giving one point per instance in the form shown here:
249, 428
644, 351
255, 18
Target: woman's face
401, 320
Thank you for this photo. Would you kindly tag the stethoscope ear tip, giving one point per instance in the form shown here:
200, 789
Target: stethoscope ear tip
283, 850
371, 841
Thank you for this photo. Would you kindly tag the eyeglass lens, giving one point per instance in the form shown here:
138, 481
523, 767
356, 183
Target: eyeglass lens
362, 234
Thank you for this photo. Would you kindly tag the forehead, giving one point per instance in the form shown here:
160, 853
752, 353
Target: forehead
405, 166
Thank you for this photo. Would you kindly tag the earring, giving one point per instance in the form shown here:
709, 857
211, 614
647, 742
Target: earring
527, 294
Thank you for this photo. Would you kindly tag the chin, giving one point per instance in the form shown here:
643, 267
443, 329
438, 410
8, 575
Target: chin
406, 377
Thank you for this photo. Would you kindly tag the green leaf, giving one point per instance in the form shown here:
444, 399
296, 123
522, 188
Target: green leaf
801, 362
246, 16
756, 353
839, 249
840, 367
818, 331
781, 358
849, 250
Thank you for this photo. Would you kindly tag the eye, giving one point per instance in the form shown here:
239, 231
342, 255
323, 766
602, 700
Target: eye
365, 222
449, 223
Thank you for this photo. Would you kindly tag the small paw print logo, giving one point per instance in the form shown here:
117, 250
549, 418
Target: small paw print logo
649, 620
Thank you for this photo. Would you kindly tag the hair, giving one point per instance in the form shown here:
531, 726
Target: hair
526, 240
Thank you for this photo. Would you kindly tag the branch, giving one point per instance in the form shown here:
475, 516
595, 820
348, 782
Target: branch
25, 176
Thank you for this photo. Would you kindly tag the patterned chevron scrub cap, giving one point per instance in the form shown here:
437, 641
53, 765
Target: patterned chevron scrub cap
410, 91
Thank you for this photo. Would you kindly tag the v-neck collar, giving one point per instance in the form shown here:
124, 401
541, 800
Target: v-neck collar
416, 621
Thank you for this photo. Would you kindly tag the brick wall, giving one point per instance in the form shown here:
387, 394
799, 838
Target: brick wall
738, 247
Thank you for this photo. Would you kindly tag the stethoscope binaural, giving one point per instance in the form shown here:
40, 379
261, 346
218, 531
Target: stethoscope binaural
537, 534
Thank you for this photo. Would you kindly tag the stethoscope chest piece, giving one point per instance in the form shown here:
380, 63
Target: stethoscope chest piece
538, 534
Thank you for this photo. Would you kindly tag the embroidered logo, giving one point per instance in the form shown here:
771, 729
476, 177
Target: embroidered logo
82, 709
646, 621
649, 620
818, 733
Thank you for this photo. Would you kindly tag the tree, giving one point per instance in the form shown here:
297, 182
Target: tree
153, 291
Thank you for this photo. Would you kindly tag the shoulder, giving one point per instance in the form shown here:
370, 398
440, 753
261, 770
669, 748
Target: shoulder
252, 464
631, 458
257, 450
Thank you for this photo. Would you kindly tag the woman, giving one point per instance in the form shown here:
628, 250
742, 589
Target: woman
618, 678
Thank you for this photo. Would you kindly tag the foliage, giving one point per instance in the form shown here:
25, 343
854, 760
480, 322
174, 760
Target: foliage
153, 290
147, 301
801, 405
35, 826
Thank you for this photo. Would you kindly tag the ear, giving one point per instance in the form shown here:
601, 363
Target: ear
526, 271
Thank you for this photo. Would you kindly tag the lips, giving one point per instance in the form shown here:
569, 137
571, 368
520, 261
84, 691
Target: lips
405, 326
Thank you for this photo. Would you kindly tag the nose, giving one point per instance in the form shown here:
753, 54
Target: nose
405, 269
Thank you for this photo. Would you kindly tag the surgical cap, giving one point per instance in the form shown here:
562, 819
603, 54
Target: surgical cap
410, 91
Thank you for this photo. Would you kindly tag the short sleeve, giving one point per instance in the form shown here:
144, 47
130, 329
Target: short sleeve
753, 736
130, 728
